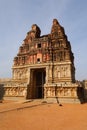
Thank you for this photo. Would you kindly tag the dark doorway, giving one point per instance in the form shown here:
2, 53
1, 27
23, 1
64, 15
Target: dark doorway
37, 83
40, 80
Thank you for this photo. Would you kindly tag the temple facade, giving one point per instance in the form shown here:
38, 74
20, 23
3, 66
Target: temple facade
44, 67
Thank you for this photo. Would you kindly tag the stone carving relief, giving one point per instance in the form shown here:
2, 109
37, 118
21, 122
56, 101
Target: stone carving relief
15, 91
61, 71
60, 92
20, 73
50, 91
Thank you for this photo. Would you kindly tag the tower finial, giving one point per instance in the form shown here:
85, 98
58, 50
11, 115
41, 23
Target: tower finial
55, 22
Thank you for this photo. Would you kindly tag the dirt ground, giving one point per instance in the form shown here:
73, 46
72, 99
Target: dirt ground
36, 115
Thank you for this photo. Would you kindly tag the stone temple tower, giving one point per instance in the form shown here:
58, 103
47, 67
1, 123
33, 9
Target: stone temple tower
44, 67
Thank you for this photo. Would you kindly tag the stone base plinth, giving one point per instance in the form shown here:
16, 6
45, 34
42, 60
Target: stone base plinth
63, 93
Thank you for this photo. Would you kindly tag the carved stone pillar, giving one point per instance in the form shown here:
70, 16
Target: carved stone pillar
47, 74
28, 75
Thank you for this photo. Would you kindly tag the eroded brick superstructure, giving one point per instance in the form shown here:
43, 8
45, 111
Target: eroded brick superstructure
44, 66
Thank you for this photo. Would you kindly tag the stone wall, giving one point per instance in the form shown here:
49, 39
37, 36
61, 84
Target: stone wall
13, 88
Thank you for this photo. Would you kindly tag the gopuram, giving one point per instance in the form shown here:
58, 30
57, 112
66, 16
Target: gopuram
44, 67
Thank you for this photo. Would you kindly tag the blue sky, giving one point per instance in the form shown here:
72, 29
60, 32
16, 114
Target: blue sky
17, 16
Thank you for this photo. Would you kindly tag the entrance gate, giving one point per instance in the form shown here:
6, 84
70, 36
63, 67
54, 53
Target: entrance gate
38, 81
